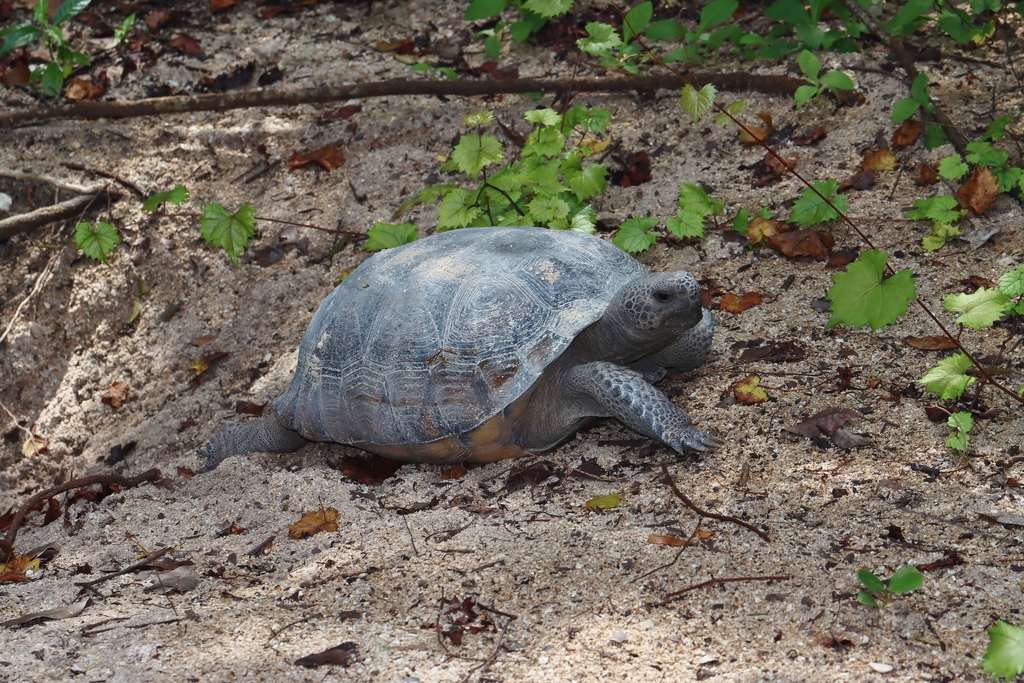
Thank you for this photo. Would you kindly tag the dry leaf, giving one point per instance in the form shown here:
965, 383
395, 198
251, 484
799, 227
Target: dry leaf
814, 243
454, 472
753, 135
881, 160
345, 112
748, 391
72, 610
314, 522
372, 469
82, 90
200, 341
17, 73
763, 228
907, 134
116, 395
734, 304
204, 363
861, 180
816, 134
328, 158
392, 45
234, 79
612, 500
638, 169
186, 45
659, 539
340, 654
34, 445
221, 5
931, 343
980, 190
926, 176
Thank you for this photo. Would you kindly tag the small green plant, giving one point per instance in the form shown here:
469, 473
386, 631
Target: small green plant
121, 33
811, 67
548, 185
1005, 654
63, 59
879, 592
864, 296
919, 99
812, 208
959, 437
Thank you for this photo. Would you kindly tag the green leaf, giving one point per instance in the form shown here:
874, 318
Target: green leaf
837, 80
1012, 283
791, 11
984, 154
1009, 178
1005, 654
546, 142
388, 235
584, 118
809, 65
42, 9
548, 8
961, 424
941, 233
96, 242
997, 129
68, 9
919, 89
666, 29
176, 196
474, 152
427, 194
18, 36
734, 107
549, 209
636, 20
910, 18
456, 210
601, 39
715, 13
804, 93
584, 221
230, 232
980, 309
584, 182
948, 378
484, 9
687, 224
695, 103
546, 117
934, 136
868, 599
121, 33
480, 118
635, 236
52, 79
612, 500
811, 209
870, 581
938, 209
862, 296
695, 198
906, 579
953, 168
904, 109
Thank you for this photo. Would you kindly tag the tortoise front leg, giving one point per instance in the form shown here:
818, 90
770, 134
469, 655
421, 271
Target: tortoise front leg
625, 395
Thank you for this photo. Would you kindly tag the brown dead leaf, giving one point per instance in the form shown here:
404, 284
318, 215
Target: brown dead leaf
345, 112
880, 160
314, 522
328, 158
116, 395
82, 90
763, 228
454, 472
17, 73
931, 343
203, 364
221, 5
200, 341
249, 408
66, 612
734, 304
808, 138
34, 445
339, 654
861, 180
231, 80
926, 176
980, 190
907, 134
660, 539
158, 19
392, 45
372, 469
638, 169
186, 45
779, 352
813, 243
842, 258
753, 135
827, 426
748, 391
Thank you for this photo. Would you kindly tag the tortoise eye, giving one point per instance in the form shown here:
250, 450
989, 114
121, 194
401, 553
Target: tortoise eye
662, 296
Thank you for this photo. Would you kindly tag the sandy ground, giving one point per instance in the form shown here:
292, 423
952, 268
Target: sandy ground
555, 591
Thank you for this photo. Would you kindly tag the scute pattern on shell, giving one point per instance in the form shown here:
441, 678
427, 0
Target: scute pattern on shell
429, 340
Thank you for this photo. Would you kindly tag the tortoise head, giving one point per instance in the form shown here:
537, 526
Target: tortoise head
656, 306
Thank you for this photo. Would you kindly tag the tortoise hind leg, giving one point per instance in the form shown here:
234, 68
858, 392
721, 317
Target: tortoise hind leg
625, 395
266, 435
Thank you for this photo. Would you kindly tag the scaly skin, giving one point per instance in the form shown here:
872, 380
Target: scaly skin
625, 395
265, 435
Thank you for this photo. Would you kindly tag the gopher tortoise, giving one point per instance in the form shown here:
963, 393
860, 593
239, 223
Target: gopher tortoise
487, 343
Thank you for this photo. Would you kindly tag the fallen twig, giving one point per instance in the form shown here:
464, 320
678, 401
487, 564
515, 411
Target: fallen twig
705, 513
7, 544
497, 647
783, 85
141, 564
75, 166
50, 180
24, 222
712, 582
